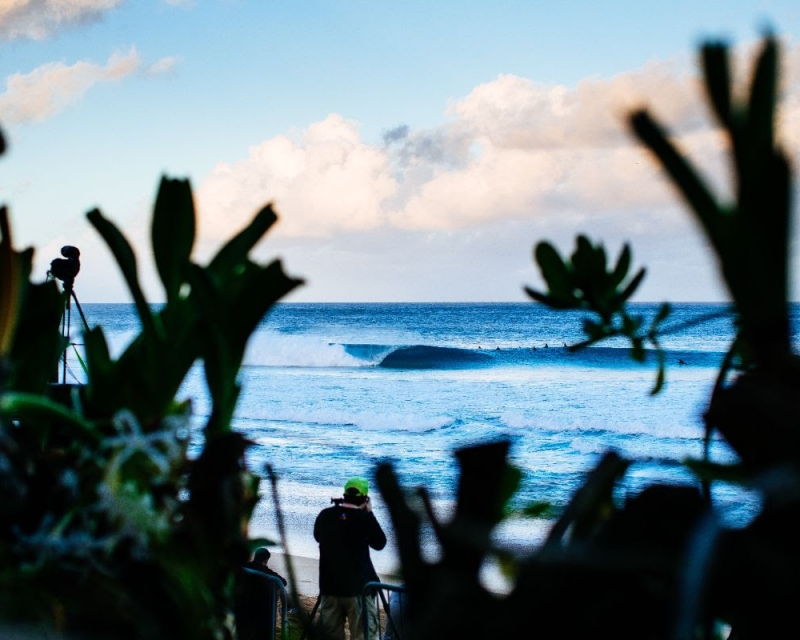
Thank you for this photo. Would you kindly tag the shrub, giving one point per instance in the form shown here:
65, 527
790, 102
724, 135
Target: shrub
106, 523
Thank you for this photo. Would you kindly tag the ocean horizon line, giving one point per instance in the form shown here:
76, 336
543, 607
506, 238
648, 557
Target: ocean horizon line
451, 302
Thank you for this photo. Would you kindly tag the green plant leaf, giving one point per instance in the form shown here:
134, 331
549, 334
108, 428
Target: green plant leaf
550, 301
631, 287
637, 350
686, 179
555, 272
622, 267
80, 359
231, 256
126, 260
510, 483
34, 408
10, 284
173, 233
718, 81
38, 343
538, 510
596, 330
221, 362
592, 503
762, 100
583, 259
660, 376
705, 470
663, 313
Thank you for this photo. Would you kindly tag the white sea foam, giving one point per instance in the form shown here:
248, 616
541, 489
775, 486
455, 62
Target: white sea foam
378, 420
400, 422
596, 424
587, 447
279, 350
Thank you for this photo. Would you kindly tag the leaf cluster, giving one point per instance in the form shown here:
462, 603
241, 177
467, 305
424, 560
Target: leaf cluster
586, 282
749, 235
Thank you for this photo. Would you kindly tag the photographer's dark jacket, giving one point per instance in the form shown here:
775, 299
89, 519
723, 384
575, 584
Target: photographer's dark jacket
345, 536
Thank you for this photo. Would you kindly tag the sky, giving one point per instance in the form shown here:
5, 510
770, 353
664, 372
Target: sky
414, 151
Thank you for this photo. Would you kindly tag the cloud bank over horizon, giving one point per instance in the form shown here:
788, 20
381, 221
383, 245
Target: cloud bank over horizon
367, 194
510, 149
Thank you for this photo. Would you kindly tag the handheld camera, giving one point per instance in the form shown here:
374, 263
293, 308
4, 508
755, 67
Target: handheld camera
358, 501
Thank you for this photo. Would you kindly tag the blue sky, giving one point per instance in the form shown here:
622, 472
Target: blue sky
414, 150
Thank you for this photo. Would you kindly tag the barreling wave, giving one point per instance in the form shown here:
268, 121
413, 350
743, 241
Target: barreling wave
280, 351
425, 357
428, 357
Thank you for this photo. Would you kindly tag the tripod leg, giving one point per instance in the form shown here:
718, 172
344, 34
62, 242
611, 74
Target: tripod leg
78, 304
66, 320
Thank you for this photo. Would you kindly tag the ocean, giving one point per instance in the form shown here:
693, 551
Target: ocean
330, 390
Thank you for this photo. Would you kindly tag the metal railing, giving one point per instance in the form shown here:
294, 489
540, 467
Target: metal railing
274, 591
393, 606
393, 599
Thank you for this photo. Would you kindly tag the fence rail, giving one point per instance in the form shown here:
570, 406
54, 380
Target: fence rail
274, 592
393, 599
390, 597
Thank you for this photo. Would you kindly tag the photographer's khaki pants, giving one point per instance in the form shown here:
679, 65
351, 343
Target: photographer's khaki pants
334, 610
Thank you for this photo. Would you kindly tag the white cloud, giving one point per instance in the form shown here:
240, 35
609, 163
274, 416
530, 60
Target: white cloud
53, 87
38, 19
165, 65
325, 181
513, 112
512, 149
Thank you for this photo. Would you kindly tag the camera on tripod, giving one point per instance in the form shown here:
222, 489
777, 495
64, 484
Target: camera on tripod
66, 268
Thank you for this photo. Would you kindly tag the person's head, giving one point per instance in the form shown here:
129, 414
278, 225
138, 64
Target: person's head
356, 491
261, 555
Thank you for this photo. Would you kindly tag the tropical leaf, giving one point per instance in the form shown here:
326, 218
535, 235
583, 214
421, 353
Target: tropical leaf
173, 233
10, 285
126, 260
717, 77
555, 273
235, 251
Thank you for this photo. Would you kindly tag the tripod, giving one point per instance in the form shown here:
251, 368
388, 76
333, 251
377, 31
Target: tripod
66, 319
66, 269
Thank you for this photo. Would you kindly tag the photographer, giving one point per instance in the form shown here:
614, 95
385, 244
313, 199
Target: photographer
345, 533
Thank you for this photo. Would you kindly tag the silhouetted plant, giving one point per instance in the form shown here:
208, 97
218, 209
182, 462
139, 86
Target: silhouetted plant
583, 282
98, 498
660, 565
106, 523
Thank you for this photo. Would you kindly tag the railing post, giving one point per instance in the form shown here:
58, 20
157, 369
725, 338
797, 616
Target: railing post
277, 591
378, 589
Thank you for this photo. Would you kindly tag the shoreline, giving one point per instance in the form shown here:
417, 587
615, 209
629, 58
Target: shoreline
306, 572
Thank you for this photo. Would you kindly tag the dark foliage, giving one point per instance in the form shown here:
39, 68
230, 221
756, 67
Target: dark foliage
106, 524
660, 565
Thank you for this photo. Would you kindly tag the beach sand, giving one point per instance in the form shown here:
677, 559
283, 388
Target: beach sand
306, 576
306, 572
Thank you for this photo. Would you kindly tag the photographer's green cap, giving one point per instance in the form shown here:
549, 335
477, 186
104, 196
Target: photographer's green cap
360, 486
